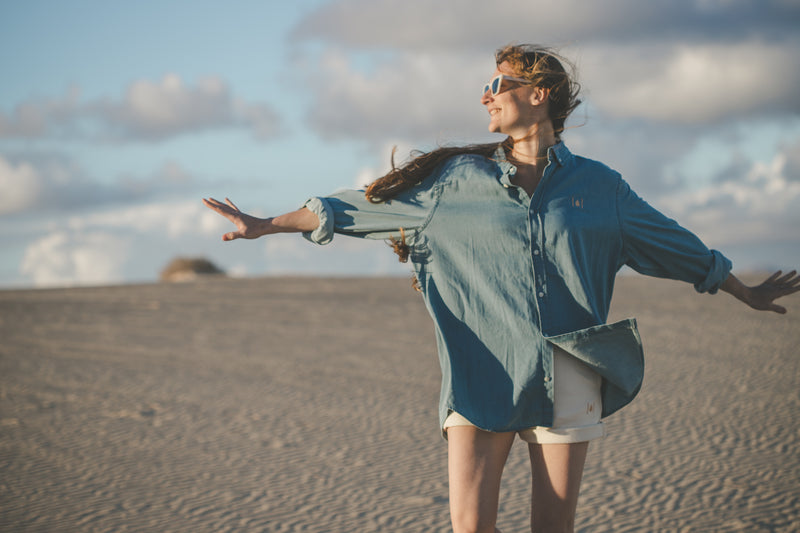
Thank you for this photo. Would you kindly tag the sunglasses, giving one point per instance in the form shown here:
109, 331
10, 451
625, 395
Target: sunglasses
497, 83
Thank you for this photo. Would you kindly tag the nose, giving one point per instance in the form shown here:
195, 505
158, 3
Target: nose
486, 97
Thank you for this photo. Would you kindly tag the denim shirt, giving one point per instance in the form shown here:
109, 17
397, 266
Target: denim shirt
506, 276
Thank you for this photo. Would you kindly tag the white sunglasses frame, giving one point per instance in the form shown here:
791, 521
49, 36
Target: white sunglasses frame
500, 78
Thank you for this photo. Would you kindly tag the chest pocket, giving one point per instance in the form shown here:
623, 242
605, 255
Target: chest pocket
579, 223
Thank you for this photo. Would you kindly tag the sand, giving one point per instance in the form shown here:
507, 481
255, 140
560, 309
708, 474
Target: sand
310, 405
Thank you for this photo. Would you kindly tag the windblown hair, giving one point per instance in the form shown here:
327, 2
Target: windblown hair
544, 68
539, 65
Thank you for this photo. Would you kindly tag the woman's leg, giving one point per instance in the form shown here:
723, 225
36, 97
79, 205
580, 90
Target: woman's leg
475, 461
557, 472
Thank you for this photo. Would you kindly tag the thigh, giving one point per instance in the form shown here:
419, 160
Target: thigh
557, 472
475, 462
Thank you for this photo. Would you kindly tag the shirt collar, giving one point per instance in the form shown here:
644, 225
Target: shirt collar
558, 153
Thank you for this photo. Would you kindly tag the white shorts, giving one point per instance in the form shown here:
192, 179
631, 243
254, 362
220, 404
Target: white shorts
577, 405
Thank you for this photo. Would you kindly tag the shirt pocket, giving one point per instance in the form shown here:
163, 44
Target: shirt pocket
579, 225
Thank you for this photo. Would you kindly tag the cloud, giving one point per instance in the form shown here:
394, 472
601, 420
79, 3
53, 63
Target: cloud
792, 154
21, 185
40, 117
478, 25
148, 111
49, 182
748, 202
134, 243
698, 84
410, 96
63, 258
115, 245
408, 69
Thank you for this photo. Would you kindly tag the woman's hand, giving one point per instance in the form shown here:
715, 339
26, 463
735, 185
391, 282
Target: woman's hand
250, 227
247, 227
775, 286
763, 296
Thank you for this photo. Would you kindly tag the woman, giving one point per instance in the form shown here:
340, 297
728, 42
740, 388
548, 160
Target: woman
515, 248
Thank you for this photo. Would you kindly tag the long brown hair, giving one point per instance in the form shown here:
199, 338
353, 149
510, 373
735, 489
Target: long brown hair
535, 63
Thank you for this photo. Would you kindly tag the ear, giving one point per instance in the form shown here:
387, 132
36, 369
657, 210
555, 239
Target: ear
539, 95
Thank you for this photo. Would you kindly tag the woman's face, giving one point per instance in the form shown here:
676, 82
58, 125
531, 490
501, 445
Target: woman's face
515, 109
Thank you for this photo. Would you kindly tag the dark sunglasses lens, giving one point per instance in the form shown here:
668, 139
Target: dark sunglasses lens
496, 85
485, 88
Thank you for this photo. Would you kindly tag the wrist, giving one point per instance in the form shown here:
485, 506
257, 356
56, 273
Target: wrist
733, 286
266, 227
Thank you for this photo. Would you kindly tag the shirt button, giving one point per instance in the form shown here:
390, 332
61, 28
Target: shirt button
541, 295
547, 379
536, 252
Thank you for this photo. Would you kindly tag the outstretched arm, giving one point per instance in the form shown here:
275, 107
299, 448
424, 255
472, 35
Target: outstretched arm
762, 296
250, 227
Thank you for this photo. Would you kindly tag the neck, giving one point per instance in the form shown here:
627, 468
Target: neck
531, 148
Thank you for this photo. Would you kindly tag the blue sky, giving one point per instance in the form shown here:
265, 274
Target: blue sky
117, 117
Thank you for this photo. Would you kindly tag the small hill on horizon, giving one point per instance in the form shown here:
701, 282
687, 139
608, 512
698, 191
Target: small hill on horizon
189, 269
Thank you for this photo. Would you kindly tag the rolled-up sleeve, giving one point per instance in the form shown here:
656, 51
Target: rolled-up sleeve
656, 245
350, 213
324, 232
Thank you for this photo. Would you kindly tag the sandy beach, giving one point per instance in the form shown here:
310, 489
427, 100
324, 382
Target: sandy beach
309, 405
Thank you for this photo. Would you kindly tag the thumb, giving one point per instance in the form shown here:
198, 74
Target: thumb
778, 309
230, 236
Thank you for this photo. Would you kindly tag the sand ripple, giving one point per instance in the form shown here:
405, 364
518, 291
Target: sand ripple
294, 405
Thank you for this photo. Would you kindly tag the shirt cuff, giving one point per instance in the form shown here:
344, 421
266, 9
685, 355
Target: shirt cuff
720, 270
324, 232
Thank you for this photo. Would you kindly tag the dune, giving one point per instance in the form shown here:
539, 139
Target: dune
307, 404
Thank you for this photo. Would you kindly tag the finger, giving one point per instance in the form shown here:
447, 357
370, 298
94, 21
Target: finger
216, 205
786, 277
228, 201
791, 290
231, 236
773, 277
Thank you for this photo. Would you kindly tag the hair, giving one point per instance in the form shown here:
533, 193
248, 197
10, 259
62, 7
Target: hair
543, 68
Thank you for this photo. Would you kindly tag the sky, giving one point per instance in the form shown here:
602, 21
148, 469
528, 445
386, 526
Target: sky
116, 118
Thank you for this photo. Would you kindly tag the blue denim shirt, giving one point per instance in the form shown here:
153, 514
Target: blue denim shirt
506, 276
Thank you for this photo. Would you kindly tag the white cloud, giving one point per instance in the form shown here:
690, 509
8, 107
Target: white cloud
135, 243
36, 118
432, 96
402, 153
748, 203
149, 111
115, 245
409, 68
49, 182
66, 258
694, 84
156, 110
167, 219
21, 186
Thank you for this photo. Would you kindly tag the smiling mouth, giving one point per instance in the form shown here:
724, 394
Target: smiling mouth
494, 111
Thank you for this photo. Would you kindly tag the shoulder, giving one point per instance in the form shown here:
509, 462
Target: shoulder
467, 162
591, 175
583, 168
465, 167
601, 170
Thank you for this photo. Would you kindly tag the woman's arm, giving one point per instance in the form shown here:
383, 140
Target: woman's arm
762, 296
250, 227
